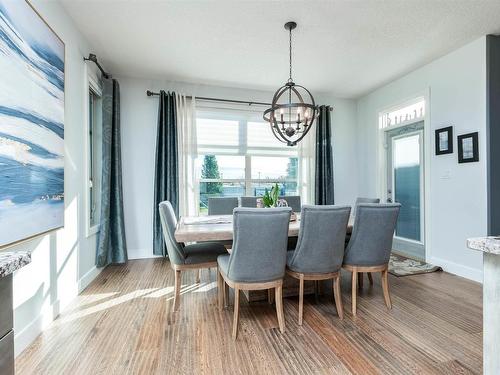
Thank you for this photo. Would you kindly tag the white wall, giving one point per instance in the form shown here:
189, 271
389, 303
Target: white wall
458, 208
62, 261
139, 117
345, 154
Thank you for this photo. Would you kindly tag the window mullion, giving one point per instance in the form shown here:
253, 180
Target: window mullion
248, 175
248, 161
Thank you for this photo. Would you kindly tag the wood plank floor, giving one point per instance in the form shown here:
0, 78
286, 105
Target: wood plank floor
123, 324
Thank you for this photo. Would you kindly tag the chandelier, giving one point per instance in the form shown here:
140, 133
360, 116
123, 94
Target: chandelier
293, 109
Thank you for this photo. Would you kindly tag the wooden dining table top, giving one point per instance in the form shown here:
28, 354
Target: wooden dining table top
220, 228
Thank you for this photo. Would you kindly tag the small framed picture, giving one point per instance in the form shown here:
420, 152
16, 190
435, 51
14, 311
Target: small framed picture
468, 148
444, 140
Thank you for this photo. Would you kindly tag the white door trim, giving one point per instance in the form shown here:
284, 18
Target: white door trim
382, 158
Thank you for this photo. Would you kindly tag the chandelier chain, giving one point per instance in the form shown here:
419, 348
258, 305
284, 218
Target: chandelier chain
290, 47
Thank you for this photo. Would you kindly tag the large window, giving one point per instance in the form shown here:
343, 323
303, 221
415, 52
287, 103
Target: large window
239, 156
94, 155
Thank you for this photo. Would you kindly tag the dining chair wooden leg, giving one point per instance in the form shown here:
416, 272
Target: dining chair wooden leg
226, 293
220, 290
270, 296
360, 280
301, 298
177, 289
236, 312
198, 271
338, 297
279, 307
354, 288
385, 289
370, 277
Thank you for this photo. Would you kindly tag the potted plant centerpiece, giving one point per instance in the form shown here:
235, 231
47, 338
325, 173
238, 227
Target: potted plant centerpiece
271, 199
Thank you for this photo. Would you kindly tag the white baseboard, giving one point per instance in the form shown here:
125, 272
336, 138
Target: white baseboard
48, 314
26, 336
86, 279
458, 269
141, 254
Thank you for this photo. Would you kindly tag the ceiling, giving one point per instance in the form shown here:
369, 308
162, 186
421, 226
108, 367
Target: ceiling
346, 48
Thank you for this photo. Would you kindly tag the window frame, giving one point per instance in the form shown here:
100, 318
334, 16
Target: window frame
92, 84
244, 117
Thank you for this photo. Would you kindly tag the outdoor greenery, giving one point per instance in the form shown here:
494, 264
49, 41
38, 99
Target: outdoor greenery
210, 169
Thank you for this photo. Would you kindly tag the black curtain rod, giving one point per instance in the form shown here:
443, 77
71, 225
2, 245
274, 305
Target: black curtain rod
93, 58
151, 93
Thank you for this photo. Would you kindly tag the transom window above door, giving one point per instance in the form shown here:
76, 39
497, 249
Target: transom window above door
239, 156
409, 112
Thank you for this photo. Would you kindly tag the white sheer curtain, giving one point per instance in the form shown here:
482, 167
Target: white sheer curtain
187, 153
306, 177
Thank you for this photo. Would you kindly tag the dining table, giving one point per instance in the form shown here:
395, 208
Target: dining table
220, 228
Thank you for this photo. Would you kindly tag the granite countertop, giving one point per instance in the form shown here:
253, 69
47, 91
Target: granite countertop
486, 244
11, 261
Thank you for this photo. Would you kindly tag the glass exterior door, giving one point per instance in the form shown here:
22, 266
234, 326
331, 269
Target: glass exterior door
405, 186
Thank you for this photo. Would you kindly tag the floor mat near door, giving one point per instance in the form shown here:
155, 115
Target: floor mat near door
402, 266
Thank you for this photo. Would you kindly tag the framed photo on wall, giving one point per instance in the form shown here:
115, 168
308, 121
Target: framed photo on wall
468, 148
444, 140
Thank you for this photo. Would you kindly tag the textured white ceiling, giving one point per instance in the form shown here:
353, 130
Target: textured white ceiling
346, 48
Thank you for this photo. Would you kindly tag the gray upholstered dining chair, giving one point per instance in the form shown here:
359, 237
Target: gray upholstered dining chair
320, 249
348, 236
371, 243
360, 200
293, 202
191, 257
250, 202
222, 205
258, 258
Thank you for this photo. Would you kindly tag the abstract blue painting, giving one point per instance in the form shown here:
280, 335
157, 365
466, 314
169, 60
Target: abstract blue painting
31, 124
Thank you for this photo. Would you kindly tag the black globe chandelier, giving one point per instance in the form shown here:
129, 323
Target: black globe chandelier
293, 109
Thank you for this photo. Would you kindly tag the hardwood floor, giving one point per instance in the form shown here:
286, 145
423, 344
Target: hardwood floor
123, 324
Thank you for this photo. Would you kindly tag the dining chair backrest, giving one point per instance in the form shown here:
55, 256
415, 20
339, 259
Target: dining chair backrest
364, 200
259, 244
320, 247
222, 206
293, 202
250, 202
373, 231
168, 220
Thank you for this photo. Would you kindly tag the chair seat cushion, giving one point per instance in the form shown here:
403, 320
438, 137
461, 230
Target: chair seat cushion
203, 252
223, 263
